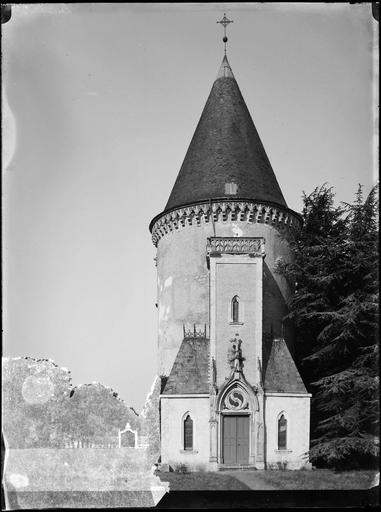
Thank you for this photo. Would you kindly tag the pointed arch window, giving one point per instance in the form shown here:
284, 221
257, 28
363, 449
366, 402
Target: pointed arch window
188, 433
282, 432
235, 309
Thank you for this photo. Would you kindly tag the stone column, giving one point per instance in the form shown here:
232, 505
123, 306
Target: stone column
260, 446
252, 439
260, 459
213, 440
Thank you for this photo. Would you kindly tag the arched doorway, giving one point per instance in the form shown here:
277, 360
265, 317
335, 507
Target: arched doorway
237, 409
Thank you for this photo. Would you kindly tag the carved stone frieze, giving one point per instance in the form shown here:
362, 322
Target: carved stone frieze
235, 245
223, 211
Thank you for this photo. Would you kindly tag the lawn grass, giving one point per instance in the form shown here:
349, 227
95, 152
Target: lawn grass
125, 469
80, 478
78, 469
202, 481
265, 480
319, 479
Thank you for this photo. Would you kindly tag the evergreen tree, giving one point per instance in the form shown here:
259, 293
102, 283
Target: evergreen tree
334, 308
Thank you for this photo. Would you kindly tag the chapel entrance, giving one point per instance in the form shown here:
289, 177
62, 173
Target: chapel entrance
236, 439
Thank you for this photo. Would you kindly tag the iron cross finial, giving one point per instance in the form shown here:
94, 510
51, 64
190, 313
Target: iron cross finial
225, 22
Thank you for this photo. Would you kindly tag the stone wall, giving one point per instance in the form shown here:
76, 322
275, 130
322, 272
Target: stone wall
173, 413
233, 275
183, 281
297, 412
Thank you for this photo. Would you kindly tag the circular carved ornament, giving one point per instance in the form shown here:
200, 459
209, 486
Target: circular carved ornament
236, 400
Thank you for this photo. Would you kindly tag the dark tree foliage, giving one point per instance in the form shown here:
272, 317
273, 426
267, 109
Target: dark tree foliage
334, 308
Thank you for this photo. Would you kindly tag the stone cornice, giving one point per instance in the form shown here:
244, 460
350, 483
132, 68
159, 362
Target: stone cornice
223, 210
190, 395
286, 393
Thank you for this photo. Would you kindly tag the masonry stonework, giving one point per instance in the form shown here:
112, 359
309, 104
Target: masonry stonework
173, 413
183, 281
296, 411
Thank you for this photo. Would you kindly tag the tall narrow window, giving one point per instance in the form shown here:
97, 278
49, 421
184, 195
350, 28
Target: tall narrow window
188, 433
235, 309
282, 433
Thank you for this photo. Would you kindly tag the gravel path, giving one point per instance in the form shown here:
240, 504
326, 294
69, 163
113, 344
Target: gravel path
253, 479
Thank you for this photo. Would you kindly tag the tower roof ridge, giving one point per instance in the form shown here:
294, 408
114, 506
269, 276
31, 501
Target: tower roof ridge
225, 70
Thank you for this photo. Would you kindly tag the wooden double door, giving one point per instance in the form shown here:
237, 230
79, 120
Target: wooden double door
236, 443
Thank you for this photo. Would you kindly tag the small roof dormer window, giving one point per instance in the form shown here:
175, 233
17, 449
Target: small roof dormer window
231, 189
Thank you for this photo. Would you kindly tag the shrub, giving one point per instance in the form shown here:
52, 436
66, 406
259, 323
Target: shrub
181, 468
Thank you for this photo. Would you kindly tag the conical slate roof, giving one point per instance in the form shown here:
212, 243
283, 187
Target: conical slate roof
226, 158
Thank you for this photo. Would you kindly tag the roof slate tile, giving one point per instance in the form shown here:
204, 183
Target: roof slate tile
190, 371
225, 148
281, 375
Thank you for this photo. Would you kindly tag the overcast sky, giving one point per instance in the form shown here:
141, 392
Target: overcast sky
101, 103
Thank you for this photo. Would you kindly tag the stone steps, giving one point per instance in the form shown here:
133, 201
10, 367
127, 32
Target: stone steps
236, 467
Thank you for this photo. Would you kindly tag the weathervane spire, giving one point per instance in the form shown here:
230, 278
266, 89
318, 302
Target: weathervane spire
225, 22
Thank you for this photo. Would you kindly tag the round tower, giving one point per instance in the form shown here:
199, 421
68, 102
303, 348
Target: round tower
226, 189
232, 396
